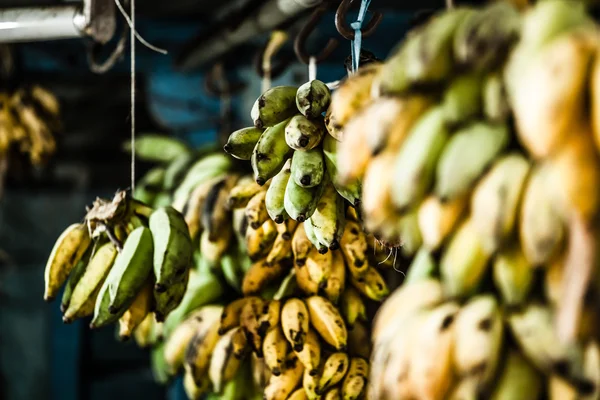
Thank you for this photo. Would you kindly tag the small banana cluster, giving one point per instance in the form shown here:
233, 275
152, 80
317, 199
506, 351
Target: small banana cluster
29, 118
128, 261
477, 147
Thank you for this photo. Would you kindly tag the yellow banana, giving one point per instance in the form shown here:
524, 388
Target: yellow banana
299, 394
230, 317
269, 318
227, 357
513, 275
213, 250
354, 246
319, 266
333, 394
355, 382
336, 283
144, 334
215, 214
260, 275
66, 253
518, 380
256, 210
352, 307
275, 349
136, 313
329, 218
249, 319
438, 219
334, 370
200, 349
310, 355
242, 192
281, 250
327, 321
295, 322
305, 283
287, 229
260, 241
192, 210
309, 384
595, 99
280, 387
372, 285
301, 246
260, 372
194, 390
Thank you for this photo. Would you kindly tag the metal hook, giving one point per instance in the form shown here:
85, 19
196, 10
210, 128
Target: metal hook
217, 74
345, 30
276, 69
300, 41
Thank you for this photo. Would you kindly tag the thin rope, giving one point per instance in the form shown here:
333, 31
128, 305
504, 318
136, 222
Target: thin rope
357, 26
130, 22
312, 68
132, 38
449, 4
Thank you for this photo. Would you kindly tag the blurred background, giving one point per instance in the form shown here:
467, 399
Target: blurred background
41, 358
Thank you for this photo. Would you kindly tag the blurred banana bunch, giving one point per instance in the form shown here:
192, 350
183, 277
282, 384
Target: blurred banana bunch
29, 119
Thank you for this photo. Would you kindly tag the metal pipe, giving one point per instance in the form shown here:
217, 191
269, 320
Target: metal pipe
218, 41
41, 23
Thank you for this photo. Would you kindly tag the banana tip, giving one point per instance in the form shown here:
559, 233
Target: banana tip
286, 236
112, 309
67, 320
313, 372
124, 338
334, 245
305, 180
227, 148
48, 298
323, 250
160, 288
276, 371
260, 181
278, 219
301, 218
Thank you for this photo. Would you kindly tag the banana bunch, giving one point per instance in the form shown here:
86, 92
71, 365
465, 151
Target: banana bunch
476, 143
29, 118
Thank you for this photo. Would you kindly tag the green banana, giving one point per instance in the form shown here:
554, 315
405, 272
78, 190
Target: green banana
304, 134
167, 301
126, 277
313, 98
241, 143
299, 202
416, 161
150, 185
203, 169
157, 148
495, 104
176, 170
274, 106
309, 228
329, 219
350, 191
232, 267
462, 99
172, 247
274, 199
270, 153
307, 168
162, 199
466, 156
513, 275
409, 233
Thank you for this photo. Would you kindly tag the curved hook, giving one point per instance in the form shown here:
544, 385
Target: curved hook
300, 41
217, 74
276, 69
345, 30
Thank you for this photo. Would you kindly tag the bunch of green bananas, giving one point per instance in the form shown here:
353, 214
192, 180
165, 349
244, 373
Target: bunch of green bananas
124, 262
501, 218
29, 118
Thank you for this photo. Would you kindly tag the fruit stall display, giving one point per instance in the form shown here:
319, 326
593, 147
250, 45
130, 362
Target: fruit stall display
263, 270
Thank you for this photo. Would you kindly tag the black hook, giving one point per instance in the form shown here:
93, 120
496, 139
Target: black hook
217, 74
300, 41
276, 69
345, 30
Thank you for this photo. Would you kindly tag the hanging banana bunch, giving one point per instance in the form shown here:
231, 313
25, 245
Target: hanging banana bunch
500, 218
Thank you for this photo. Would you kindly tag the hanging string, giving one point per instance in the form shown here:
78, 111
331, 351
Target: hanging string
449, 4
132, 27
357, 26
132, 39
312, 68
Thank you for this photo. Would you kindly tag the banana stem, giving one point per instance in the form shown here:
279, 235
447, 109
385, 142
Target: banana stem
140, 209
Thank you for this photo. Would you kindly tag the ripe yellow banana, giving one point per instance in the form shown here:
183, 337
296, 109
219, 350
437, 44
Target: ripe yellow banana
200, 349
249, 319
305, 283
259, 241
280, 387
519, 380
309, 384
355, 382
301, 245
333, 394
193, 390
256, 210
295, 322
352, 307
438, 219
513, 276
269, 318
299, 394
495, 201
213, 250
354, 246
242, 192
192, 208
215, 214
260, 372
595, 99
372, 285
147, 333
66, 253
137, 312
275, 349
260, 275
329, 218
336, 283
230, 317
334, 370
282, 248
327, 321
319, 266
227, 357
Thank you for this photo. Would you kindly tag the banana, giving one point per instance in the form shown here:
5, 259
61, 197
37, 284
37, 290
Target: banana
280, 387
483, 39
312, 237
260, 372
286, 230
302, 134
150, 185
592, 366
288, 287
76, 274
319, 266
410, 235
541, 228
230, 317
87, 287
576, 167
242, 192
462, 99
46, 100
240, 144
136, 313
300, 202
355, 382
359, 340
438, 219
212, 251
256, 211
177, 342
269, 318
249, 319
146, 333
275, 349
274, 106
329, 218
334, 370
333, 394
495, 103
313, 98
307, 168
327, 321
260, 275
336, 283
301, 245
233, 267
66, 253
352, 307
372, 285
309, 384
193, 207
513, 276
422, 267
205, 168
157, 148
465, 157
274, 199
595, 100
310, 355
416, 161
496, 199
463, 262
295, 322
199, 351
172, 247
281, 250
270, 153
478, 331
305, 283
227, 357
349, 191
550, 97
215, 215
354, 247
260, 241
298, 394
193, 390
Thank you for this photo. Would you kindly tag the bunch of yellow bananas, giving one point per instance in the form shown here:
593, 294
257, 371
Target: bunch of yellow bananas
501, 218
28, 119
